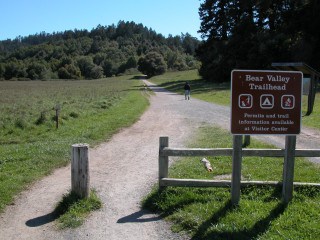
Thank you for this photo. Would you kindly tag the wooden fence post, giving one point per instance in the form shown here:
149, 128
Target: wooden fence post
57, 108
236, 169
163, 160
80, 170
288, 168
246, 141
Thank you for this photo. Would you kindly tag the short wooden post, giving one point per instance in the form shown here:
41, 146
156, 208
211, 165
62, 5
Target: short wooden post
57, 108
163, 160
288, 168
236, 169
80, 170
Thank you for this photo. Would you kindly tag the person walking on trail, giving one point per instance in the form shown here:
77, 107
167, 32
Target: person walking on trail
187, 91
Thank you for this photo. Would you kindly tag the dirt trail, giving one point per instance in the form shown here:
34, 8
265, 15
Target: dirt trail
123, 171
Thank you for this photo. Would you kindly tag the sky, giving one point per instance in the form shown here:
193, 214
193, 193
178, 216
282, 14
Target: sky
28, 17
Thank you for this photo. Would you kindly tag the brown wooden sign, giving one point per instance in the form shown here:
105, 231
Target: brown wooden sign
266, 102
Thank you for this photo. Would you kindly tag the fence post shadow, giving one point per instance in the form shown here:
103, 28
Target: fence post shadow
228, 206
139, 217
258, 228
42, 220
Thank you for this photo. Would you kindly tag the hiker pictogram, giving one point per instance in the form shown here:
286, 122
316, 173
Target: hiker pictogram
266, 101
245, 101
287, 101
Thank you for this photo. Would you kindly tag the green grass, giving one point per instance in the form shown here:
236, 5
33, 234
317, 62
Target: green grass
91, 112
220, 93
174, 81
313, 119
72, 211
206, 213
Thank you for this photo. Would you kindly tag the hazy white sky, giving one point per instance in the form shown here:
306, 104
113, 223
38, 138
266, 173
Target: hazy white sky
25, 17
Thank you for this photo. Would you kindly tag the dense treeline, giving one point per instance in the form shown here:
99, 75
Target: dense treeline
102, 52
252, 34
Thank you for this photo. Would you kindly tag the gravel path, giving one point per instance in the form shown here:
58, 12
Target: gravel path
123, 171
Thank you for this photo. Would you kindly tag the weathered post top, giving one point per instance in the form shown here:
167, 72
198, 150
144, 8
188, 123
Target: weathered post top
80, 145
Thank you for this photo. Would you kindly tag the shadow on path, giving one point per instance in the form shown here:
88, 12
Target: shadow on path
140, 216
42, 220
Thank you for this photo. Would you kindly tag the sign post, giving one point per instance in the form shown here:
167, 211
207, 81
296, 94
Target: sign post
236, 169
288, 169
266, 102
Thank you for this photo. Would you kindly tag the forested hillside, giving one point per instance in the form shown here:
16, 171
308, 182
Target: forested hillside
253, 34
102, 52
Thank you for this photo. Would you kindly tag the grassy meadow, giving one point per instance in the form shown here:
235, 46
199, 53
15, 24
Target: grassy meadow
90, 112
220, 93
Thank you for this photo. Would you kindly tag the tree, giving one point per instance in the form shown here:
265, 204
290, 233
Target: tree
69, 71
85, 64
189, 43
253, 34
215, 19
99, 58
131, 63
107, 68
2, 70
152, 64
96, 72
37, 70
115, 49
15, 69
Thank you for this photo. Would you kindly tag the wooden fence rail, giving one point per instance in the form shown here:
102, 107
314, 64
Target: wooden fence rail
165, 152
193, 152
